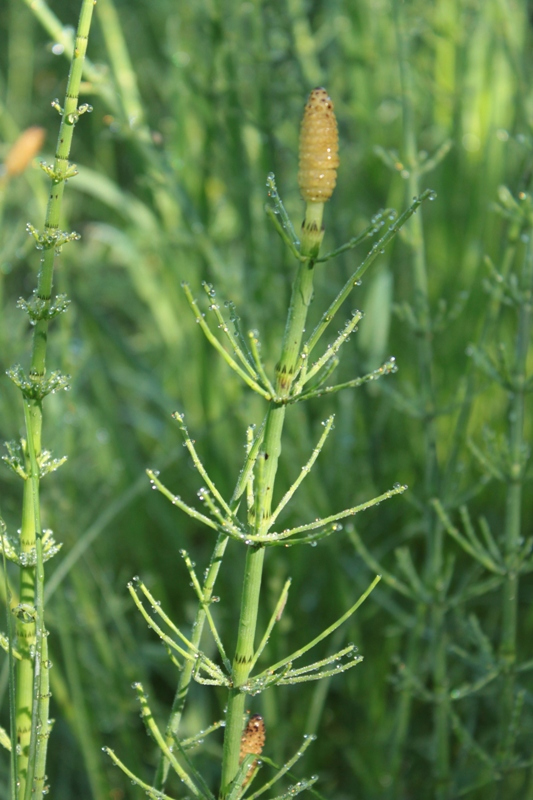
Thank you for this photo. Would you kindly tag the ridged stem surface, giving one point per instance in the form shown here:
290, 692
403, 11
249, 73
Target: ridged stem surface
31, 712
270, 453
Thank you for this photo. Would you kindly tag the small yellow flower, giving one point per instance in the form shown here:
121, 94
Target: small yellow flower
319, 148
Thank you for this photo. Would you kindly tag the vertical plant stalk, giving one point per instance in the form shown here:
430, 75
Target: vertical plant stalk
122, 67
269, 457
185, 678
434, 533
317, 176
513, 508
31, 711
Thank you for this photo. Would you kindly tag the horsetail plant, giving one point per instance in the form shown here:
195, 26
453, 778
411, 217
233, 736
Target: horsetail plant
27, 644
505, 555
250, 515
435, 590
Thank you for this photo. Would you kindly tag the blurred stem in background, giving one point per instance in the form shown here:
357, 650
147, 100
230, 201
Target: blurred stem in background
516, 382
429, 617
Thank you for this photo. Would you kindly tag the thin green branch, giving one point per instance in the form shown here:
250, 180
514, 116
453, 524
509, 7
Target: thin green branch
387, 368
302, 786
319, 523
194, 741
186, 674
470, 545
388, 577
332, 349
226, 528
256, 387
256, 355
253, 446
312, 539
151, 792
241, 353
307, 740
289, 680
351, 648
282, 232
371, 230
237, 786
276, 616
206, 792
327, 632
200, 594
405, 563
304, 472
195, 655
180, 418
376, 250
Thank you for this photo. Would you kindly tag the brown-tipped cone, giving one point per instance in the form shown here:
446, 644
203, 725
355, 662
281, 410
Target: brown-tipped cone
319, 148
252, 742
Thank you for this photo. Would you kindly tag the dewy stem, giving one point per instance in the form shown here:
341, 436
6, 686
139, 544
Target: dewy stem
30, 636
188, 666
270, 452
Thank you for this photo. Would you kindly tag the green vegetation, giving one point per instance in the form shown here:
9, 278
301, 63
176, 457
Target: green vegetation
193, 108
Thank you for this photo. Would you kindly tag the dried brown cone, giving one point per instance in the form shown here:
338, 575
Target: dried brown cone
252, 742
319, 148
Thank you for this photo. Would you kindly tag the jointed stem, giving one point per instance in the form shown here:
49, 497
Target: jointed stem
513, 509
31, 681
433, 531
269, 456
188, 666
241, 664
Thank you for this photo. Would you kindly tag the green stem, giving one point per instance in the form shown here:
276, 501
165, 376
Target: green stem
25, 633
244, 652
269, 456
513, 509
31, 711
34, 758
403, 708
124, 74
434, 534
188, 666
420, 279
302, 295
441, 708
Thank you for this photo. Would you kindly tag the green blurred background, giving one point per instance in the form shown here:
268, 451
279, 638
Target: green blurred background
193, 105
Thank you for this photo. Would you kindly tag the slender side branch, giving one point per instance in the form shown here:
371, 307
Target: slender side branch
306, 469
376, 250
256, 387
327, 632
